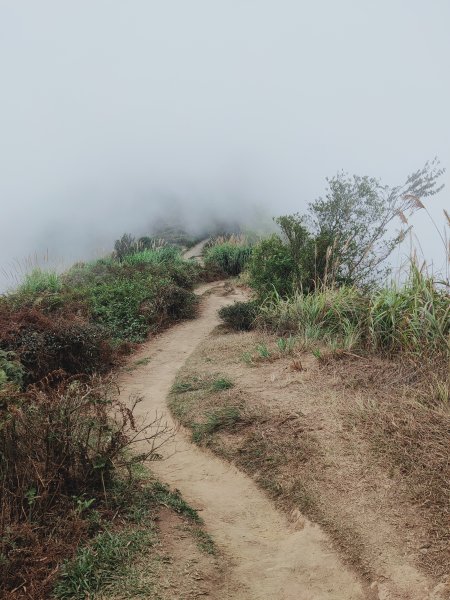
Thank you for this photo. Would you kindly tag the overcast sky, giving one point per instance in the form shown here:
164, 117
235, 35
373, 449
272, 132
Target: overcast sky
113, 110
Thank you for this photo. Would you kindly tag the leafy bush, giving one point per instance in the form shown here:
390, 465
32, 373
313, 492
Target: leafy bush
227, 258
272, 268
240, 315
356, 213
11, 371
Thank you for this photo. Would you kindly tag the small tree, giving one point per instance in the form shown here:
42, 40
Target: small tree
356, 213
124, 246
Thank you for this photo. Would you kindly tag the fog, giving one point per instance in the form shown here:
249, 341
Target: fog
114, 113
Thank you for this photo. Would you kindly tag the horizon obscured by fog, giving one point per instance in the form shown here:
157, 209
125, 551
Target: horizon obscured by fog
115, 114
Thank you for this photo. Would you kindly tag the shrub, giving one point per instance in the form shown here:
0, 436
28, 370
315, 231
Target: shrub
62, 440
11, 371
124, 246
272, 268
44, 345
240, 315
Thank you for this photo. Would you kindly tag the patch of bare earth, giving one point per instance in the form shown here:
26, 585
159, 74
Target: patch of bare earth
310, 434
181, 565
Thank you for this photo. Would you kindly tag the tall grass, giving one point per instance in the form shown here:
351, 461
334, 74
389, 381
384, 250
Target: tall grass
227, 258
413, 318
160, 255
39, 281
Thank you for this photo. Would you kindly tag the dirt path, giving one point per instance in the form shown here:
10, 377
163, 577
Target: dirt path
195, 251
270, 558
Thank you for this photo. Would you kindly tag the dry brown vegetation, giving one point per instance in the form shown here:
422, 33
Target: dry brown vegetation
63, 446
347, 440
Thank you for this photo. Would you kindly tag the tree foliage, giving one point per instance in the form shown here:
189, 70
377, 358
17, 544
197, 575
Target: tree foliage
356, 217
345, 238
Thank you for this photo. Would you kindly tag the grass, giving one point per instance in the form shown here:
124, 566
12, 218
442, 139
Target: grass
174, 500
204, 541
211, 383
106, 559
107, 564
221, 418
227, 258
222, 383
412, 320
40, 281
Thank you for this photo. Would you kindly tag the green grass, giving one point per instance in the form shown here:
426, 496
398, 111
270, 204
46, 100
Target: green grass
103, 562
225, 417
227, 258
204, 541
39, 281
263, 351
211, 383
222, 383
165, 254
108, 561
173, 499
413, 319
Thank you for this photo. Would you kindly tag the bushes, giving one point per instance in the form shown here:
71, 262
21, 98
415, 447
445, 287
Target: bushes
11, 371
44, 344
61, 443
131, 307
227, 258
240, 315
76, 321
272, 268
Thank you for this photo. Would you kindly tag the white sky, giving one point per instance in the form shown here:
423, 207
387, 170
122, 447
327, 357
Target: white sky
113, 110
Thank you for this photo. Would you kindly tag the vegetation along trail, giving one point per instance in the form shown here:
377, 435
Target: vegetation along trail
268, 556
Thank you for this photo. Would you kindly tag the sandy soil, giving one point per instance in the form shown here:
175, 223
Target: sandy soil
308, 415
195, 251
267, 556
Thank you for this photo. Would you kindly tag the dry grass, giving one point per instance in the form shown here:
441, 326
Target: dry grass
376, 481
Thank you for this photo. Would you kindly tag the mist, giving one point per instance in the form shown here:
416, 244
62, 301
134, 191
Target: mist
114, 114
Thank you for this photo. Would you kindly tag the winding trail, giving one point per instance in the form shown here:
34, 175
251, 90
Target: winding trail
196, 251
269, 557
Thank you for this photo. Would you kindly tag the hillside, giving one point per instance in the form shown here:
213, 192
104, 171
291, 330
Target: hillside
327, 409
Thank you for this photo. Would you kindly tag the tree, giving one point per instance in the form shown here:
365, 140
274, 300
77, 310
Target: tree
125, 245
355, 216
